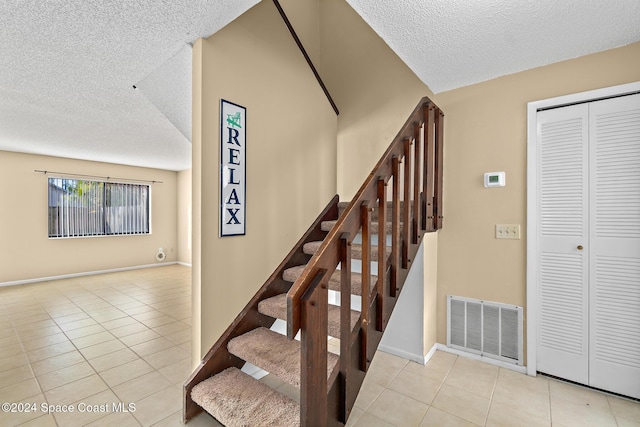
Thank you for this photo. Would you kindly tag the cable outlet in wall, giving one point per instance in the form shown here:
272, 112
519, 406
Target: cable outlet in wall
507, 231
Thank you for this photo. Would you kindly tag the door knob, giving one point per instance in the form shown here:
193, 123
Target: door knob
580, 247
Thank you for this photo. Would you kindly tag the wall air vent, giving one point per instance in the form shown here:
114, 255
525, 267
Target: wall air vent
486, 328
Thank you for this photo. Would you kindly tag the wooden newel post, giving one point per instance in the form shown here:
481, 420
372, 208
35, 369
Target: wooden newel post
313, 355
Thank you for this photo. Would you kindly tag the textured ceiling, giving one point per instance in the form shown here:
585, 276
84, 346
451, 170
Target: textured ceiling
67, 67
455, 43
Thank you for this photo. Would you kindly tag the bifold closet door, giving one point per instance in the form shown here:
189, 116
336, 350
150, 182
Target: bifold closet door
614, 255
563, 296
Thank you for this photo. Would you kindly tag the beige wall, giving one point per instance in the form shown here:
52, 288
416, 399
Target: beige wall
184, 216
374, 90
485, 131
27, 253
291, 158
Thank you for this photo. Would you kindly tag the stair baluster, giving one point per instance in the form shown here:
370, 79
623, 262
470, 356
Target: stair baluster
327, 395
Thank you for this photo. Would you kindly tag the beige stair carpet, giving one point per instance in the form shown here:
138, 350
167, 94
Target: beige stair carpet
274, 353
277, 307
238, 400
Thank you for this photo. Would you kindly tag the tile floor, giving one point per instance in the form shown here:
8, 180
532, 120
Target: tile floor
125, 337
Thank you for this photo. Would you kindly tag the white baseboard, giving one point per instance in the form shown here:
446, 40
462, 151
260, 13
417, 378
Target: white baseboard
183, 263
516, 368
418, 358
85, 273
430, 354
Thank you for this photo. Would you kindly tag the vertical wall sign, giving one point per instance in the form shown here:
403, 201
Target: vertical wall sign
233, 172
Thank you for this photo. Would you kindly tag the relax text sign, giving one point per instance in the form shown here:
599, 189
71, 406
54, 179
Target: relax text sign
233, 172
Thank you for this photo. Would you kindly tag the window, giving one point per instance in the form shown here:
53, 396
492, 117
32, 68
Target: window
80, 208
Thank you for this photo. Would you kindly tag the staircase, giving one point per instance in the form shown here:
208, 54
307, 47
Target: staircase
379, 230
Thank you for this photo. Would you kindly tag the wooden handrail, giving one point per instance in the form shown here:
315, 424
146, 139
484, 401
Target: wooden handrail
423, 131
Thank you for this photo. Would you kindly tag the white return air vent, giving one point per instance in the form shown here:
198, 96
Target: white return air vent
490, 329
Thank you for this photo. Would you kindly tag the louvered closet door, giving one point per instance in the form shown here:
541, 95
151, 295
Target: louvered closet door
562, 342
614, 257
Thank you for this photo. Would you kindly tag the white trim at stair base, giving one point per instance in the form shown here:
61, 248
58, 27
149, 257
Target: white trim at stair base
418, 358
86, 273
499, 363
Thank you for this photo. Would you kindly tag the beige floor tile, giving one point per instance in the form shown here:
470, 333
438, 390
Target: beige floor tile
508, 415
523, 400
154, 322
38, 333
354, 416
437, 368
177, 372
384, 368
20, 391
131, 329
10, 350
106, 316
135, 311
159, 406
462, 404
88, 410
46, 420
44, 341
64, 376
202, 420
111, 360
569, 413
123, 373
170, 328
120, 419
28, 414
420, 388
101, 349
50, 351
36, 321
398, 409
141, 387
64, 310
118, 323
15, 375
94, 339
437, 418
369, 420
77, 324
76, 390
539, 383
72, 318
623, 422
182, 337
152, 346
560, 390
54, 363
166, 357
473, 376
84, 331
140, 337
625, 408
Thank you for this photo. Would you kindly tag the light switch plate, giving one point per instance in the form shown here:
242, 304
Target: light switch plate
507, 231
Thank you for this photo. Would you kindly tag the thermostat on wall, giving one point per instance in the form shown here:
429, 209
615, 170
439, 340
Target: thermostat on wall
494, 179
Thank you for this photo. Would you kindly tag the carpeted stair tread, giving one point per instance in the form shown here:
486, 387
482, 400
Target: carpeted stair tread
328, 225
356, 250
274, 353
292, 274
237, 400
277, 307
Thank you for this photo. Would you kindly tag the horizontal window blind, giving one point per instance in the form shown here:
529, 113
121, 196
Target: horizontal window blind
79, 208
